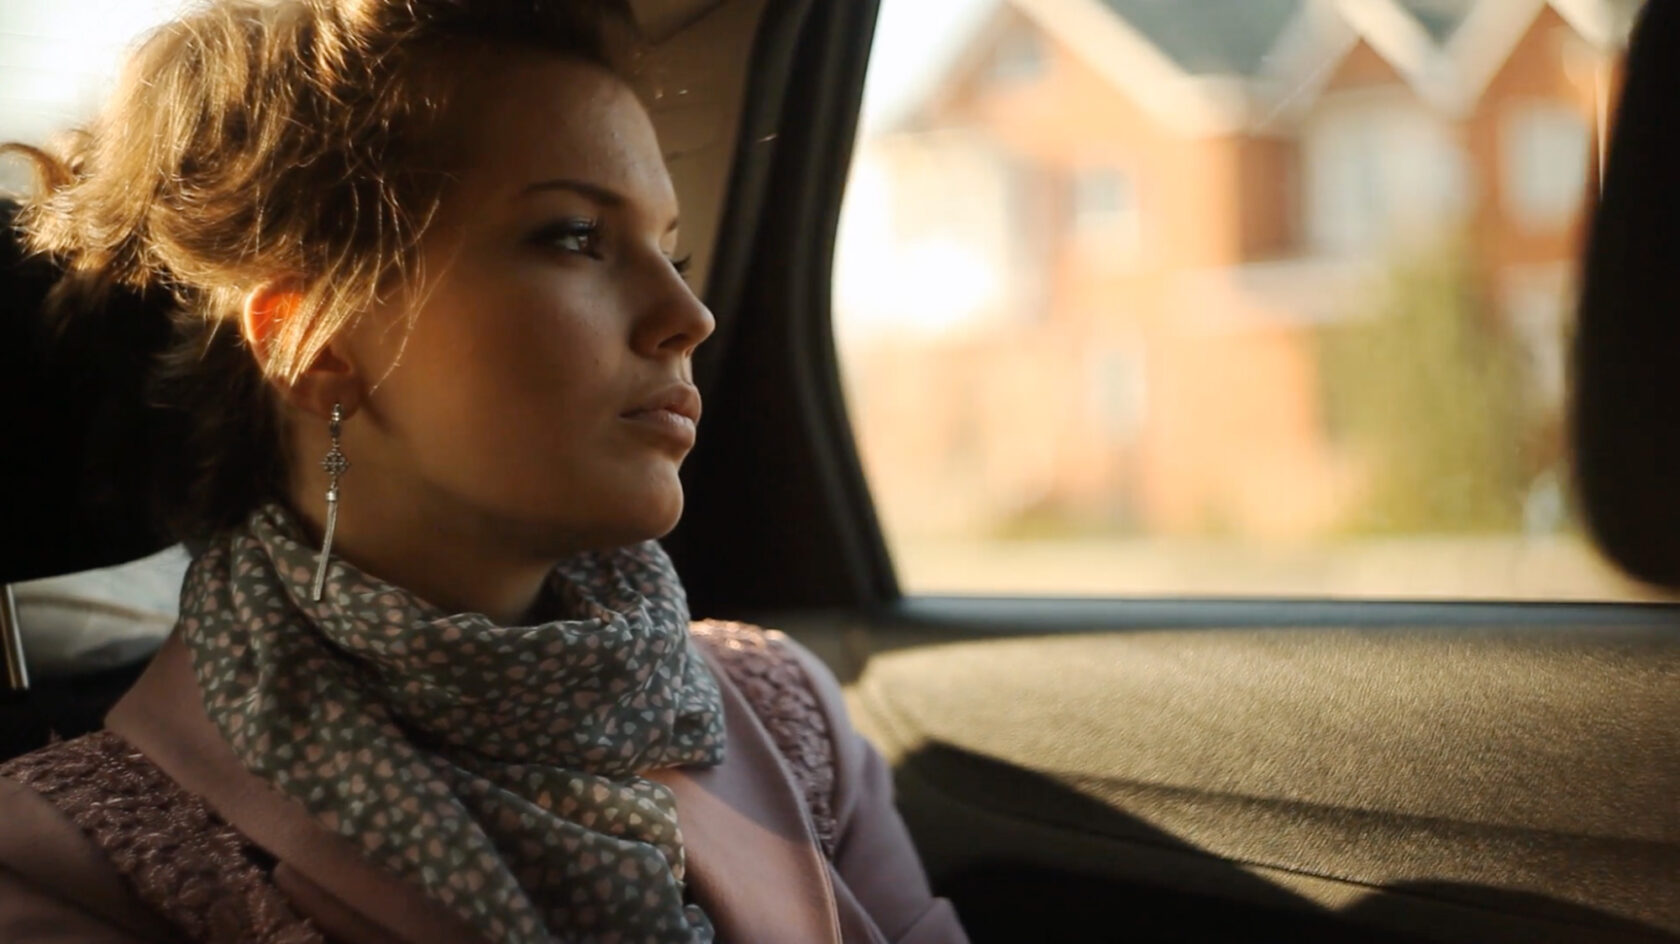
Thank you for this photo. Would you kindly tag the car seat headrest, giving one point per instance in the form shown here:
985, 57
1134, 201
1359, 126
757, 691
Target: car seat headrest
1625, 421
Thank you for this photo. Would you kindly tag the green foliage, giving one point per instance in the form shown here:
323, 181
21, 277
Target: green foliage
1429, 391
1051, 520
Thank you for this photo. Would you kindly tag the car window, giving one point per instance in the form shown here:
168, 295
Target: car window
1225, 297
57, 61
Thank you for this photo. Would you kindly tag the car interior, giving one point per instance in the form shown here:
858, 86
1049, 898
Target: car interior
1140, 769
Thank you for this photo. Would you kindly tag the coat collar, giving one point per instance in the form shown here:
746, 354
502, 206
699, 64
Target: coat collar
753, 860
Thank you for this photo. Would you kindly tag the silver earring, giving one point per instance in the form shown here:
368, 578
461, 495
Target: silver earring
335, 466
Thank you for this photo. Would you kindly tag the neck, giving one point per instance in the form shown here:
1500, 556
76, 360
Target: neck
393, 526
456, 569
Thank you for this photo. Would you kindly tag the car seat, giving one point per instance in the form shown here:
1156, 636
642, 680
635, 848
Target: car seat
79, 462
1625, 407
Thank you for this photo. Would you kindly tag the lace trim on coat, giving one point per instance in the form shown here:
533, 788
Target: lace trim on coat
760, 664
197, 872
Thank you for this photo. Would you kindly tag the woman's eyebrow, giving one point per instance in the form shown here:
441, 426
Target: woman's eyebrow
604, 196
595, 192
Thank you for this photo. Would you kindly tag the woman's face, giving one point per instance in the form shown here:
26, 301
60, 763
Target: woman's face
544, 395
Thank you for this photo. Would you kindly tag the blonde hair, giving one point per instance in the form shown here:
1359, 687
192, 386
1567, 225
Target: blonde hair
254, 140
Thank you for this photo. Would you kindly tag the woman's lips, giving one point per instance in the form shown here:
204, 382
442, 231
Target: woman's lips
668, 424
672, 413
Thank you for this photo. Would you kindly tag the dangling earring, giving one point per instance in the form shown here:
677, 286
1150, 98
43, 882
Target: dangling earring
335, 465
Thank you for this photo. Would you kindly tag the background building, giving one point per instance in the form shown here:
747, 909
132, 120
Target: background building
1122, 256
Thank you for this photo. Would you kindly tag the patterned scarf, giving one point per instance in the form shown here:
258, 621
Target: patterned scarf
496, 767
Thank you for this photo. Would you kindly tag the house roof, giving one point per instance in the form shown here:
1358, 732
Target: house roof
1480, 49
1448, 51
1216, 66
1439, 18
1210, 37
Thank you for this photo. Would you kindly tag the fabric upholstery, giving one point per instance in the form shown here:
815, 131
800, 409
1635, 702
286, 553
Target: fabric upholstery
1469, 768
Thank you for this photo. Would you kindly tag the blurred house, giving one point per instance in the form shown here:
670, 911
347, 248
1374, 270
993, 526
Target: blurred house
1083, 275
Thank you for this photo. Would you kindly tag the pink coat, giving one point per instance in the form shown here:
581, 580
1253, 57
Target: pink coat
755, 829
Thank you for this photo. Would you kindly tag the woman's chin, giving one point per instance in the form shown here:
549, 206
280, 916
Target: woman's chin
654, 527
643, 505
649, 514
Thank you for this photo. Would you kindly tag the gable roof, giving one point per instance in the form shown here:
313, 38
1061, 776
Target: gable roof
1447, 51
1210, 37
1220, 66
1139, 64
1480, 50
1439, 18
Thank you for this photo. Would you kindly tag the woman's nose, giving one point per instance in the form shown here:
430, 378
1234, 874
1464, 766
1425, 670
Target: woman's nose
676, 321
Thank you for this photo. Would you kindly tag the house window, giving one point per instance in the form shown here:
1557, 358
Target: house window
1019, 56
1345, 201
1379, 174
1105, 211
1547, 151
1119, 394
1103, 197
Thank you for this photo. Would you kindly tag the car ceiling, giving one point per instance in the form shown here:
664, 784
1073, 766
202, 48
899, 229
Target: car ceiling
662, 19
694, 81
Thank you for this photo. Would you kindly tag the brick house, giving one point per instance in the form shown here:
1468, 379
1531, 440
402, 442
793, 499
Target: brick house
1084, 272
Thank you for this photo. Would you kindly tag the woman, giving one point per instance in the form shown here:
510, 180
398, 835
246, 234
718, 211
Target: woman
432, 679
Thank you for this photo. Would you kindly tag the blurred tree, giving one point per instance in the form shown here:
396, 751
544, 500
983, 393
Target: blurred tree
1429, 393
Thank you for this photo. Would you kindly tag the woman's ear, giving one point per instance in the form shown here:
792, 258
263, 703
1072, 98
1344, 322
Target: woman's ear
268, 307
331, 378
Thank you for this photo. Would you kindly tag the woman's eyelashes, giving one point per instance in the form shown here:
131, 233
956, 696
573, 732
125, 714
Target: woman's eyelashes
583, 236
580, 235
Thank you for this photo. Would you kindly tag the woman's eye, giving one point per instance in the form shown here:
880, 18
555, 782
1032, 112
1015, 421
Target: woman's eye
683, 265
580, 236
